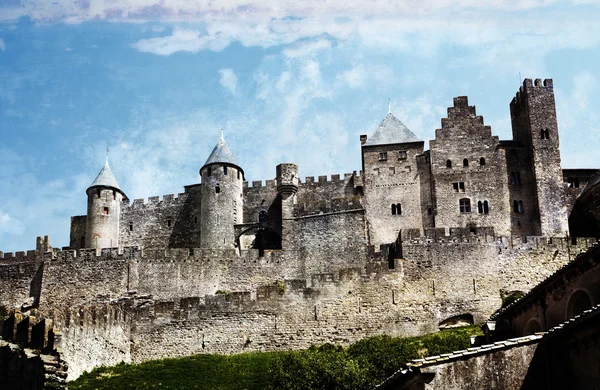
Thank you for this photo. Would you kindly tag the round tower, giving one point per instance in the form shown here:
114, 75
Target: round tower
222, 198
103, 210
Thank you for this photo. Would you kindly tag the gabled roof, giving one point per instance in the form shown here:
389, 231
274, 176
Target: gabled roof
594, 180
106, 178
391, 130
221, 154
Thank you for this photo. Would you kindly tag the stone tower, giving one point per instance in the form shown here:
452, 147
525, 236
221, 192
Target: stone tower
287, 187
392, 182
533, 115
222, 198
103, 210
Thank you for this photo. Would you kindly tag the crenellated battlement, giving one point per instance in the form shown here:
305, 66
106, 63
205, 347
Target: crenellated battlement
154, 201
92, 254
325, 179
529, 85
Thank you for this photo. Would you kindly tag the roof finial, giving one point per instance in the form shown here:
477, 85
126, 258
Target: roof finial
106, 156
389, 106
222, 134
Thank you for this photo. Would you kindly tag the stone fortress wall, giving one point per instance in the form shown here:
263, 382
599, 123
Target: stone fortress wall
231, 266
214, 301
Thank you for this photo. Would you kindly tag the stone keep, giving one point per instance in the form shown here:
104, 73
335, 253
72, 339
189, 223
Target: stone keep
103, 210
222, 198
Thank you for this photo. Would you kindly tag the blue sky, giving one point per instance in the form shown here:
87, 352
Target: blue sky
155, 81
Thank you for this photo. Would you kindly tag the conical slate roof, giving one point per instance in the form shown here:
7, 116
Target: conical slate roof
106, 179
221, 154
392, 131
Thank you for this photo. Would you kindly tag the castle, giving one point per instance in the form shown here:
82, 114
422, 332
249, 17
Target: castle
416, 240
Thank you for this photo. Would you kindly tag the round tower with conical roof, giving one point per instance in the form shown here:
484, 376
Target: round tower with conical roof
222, 198
103, 210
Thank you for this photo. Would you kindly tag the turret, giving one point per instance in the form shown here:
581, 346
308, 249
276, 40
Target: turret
104, 210
222, 198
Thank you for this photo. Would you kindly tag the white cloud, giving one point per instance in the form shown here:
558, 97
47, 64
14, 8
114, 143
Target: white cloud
304, 49
10, 225
2, 45
355, 77
181, 40
228, 79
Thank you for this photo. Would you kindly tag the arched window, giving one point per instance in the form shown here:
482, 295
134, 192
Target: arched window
465, 162
398, 209
217, 189
480, 207
482, 161
263, 216
448, 163
225, 171
465, 205
393, 209
578, 303
486, 207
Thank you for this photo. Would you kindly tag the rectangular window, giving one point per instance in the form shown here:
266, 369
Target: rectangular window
458, 186
225, 171
169, 222
465, 205
402, 155
408, 168
383, 156
392, 170
130, 226
105, 211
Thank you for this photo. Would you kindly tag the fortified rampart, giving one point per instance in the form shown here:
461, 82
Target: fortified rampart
248, 302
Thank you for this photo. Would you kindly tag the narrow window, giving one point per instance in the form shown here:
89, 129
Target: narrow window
130, 226
105, 211
465, 205
486, 207
196, 219
455, 186
225, 171
238, 173
217, 189
382, 156
402, 154
398, 209
544, 134
448, 163
168, 222
98, 193
480, 207
515, 178
429, 211
518, 206
573, 182
461, 186
465, 162
482, 161
393, 209
263, 216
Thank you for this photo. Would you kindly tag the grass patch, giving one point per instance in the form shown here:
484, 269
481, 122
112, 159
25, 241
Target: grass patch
358, 366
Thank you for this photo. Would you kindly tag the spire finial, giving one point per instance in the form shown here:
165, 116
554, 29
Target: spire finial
389, 106
222, 133
106, 155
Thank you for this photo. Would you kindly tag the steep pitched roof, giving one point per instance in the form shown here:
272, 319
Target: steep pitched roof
392, 131
106, 178
594, 180
221, 154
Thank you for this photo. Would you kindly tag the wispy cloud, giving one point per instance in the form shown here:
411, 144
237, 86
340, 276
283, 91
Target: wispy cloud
181, 40
228, 79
